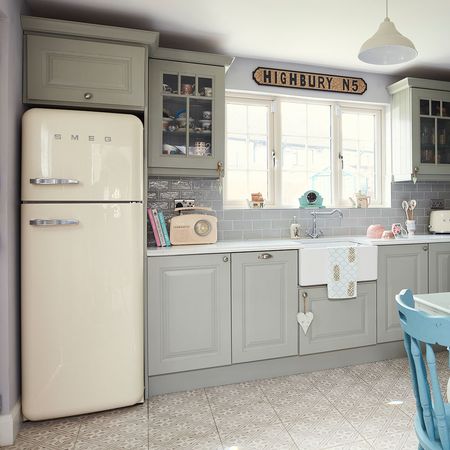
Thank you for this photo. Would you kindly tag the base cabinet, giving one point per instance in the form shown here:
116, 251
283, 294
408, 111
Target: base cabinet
189, 323
399, 267
439, 270
264, 305
338, 323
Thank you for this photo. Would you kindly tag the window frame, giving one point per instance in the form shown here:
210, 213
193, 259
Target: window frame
336, 109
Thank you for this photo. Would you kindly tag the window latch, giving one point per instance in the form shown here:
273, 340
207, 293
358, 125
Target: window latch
341, 157
273, 158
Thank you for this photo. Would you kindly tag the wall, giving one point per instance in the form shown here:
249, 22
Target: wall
274, 223
10, 111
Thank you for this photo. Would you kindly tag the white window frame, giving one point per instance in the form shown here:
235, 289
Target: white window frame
260, 101
336, 146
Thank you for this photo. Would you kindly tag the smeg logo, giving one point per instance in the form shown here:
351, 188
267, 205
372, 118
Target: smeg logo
77, 138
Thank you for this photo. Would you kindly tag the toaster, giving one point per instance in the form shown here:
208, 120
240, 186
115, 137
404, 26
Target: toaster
193, 228
439, 221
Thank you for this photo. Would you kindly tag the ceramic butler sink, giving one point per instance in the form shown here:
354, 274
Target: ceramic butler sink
313, 261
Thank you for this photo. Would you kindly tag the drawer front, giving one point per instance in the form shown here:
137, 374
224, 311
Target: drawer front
338, 324
84, 72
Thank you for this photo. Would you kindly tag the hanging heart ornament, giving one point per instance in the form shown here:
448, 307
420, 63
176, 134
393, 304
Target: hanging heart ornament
305, 319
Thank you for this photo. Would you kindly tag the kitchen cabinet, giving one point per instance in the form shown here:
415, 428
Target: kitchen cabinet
189, 323
264, 305
85, 65
186, 118
338, 323
399, 267
439, 267
420, 129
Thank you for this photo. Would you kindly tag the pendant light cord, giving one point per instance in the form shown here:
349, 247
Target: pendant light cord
387, 12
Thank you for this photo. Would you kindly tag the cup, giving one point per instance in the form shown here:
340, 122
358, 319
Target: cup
187, 89
207, 115
167, 88
411, 227
207, 92
201, 148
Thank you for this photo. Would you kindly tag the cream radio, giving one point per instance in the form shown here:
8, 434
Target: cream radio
193, 228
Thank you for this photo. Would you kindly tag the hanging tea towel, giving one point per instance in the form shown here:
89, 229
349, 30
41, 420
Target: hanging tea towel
342, 272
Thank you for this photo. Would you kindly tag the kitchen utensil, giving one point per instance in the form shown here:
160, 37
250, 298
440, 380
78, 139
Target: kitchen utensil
206, 124
375, 231
398, 231
207, 92
187, 89
207, 115
405, 207
167, 88
387, 235
412, 205
362, 200
411, 227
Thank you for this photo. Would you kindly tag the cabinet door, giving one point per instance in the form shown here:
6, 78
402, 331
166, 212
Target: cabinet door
189, 323
264, 299
399, 267
338, 324
439, 272
68, 71
187, 118
431, 131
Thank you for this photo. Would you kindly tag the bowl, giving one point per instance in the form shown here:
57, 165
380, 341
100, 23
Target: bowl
375, 231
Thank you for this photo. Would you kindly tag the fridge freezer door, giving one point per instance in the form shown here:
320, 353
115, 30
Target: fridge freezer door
81, 155
82, 308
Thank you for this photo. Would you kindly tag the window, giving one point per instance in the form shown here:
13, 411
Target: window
283, 147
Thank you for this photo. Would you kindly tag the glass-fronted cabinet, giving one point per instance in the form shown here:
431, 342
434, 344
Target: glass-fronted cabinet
420, 130
186, 118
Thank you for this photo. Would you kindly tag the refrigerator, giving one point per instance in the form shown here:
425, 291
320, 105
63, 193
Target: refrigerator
82, 257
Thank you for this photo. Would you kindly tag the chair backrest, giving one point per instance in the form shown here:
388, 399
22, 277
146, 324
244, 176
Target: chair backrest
421, 329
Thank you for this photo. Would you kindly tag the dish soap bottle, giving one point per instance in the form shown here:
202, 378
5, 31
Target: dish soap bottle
295, 229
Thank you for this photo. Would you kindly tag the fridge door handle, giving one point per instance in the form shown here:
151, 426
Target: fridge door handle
53, 222
53, 181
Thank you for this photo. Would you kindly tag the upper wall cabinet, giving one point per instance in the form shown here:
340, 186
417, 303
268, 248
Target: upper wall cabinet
187, 114
420, 129
85, 65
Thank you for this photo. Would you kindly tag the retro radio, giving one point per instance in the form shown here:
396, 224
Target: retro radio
193, 228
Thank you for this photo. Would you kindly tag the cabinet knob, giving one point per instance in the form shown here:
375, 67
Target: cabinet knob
88, 95
225, 259
425, 248
265, 256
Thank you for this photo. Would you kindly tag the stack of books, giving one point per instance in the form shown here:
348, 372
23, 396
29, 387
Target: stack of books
159, 228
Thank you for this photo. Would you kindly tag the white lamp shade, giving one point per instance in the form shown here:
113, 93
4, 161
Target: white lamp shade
387, 46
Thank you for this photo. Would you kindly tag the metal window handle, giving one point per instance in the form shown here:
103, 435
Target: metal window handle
52, 222
265, 256
53, 181
88, 95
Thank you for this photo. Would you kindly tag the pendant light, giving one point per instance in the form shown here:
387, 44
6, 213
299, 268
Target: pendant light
387, 45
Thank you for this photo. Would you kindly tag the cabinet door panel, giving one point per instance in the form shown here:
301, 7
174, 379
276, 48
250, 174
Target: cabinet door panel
399, 267
189, 313
86, 72
264, 299
439, 267
339, 324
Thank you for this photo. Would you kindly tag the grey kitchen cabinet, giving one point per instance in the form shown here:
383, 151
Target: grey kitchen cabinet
189, 323
420, 129
72, 71
399, 267
338, 323
186, 119
264, 305
439, 267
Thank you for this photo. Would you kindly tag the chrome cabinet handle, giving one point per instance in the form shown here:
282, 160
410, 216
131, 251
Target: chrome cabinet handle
425, 248
53, 181
52, 222
265, 256
88, 95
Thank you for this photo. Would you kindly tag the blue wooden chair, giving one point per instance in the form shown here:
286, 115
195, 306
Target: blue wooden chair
432, 421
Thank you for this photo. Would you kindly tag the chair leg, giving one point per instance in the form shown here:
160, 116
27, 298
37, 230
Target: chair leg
420, 447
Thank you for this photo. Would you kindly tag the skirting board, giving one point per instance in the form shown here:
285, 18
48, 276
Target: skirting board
236, 373
10, 425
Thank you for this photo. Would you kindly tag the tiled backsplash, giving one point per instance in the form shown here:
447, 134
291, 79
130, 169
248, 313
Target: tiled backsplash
237, 224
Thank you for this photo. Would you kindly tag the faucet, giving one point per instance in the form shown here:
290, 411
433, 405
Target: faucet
315, 232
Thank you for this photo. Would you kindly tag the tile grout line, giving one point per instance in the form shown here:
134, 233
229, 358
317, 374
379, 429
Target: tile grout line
214, 419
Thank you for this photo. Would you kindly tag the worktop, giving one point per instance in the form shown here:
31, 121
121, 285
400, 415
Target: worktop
285, 244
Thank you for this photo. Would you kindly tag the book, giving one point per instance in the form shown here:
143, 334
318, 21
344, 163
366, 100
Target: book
164, 228
154, 229
158, 227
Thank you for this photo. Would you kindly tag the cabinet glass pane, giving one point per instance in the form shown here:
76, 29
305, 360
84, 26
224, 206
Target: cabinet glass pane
443, 141
174, 124
427, 141
187, 85
446, 109
205, 86
424, 107
200, 142
435, 108
170, 83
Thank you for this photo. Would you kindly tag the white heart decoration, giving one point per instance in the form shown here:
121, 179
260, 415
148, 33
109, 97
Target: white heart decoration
305, 320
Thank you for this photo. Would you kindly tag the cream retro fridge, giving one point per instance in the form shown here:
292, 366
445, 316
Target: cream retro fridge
82, 244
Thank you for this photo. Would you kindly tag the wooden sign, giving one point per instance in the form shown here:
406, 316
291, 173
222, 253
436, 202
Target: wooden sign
267, 76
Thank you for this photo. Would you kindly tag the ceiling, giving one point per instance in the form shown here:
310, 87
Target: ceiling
322, 33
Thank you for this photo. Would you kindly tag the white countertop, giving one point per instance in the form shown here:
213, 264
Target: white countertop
285, 244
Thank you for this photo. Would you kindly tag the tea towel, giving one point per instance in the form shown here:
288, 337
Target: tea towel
342, 272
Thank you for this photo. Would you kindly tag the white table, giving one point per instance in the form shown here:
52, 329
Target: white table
436, 304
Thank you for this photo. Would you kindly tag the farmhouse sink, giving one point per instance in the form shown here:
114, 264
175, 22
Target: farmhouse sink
313, 261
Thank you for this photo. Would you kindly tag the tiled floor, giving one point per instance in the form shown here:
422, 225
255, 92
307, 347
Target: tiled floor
340, 409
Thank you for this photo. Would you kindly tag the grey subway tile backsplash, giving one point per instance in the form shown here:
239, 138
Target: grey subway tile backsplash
237, 224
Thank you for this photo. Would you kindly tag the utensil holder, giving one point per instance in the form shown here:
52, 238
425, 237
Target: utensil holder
411, 227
